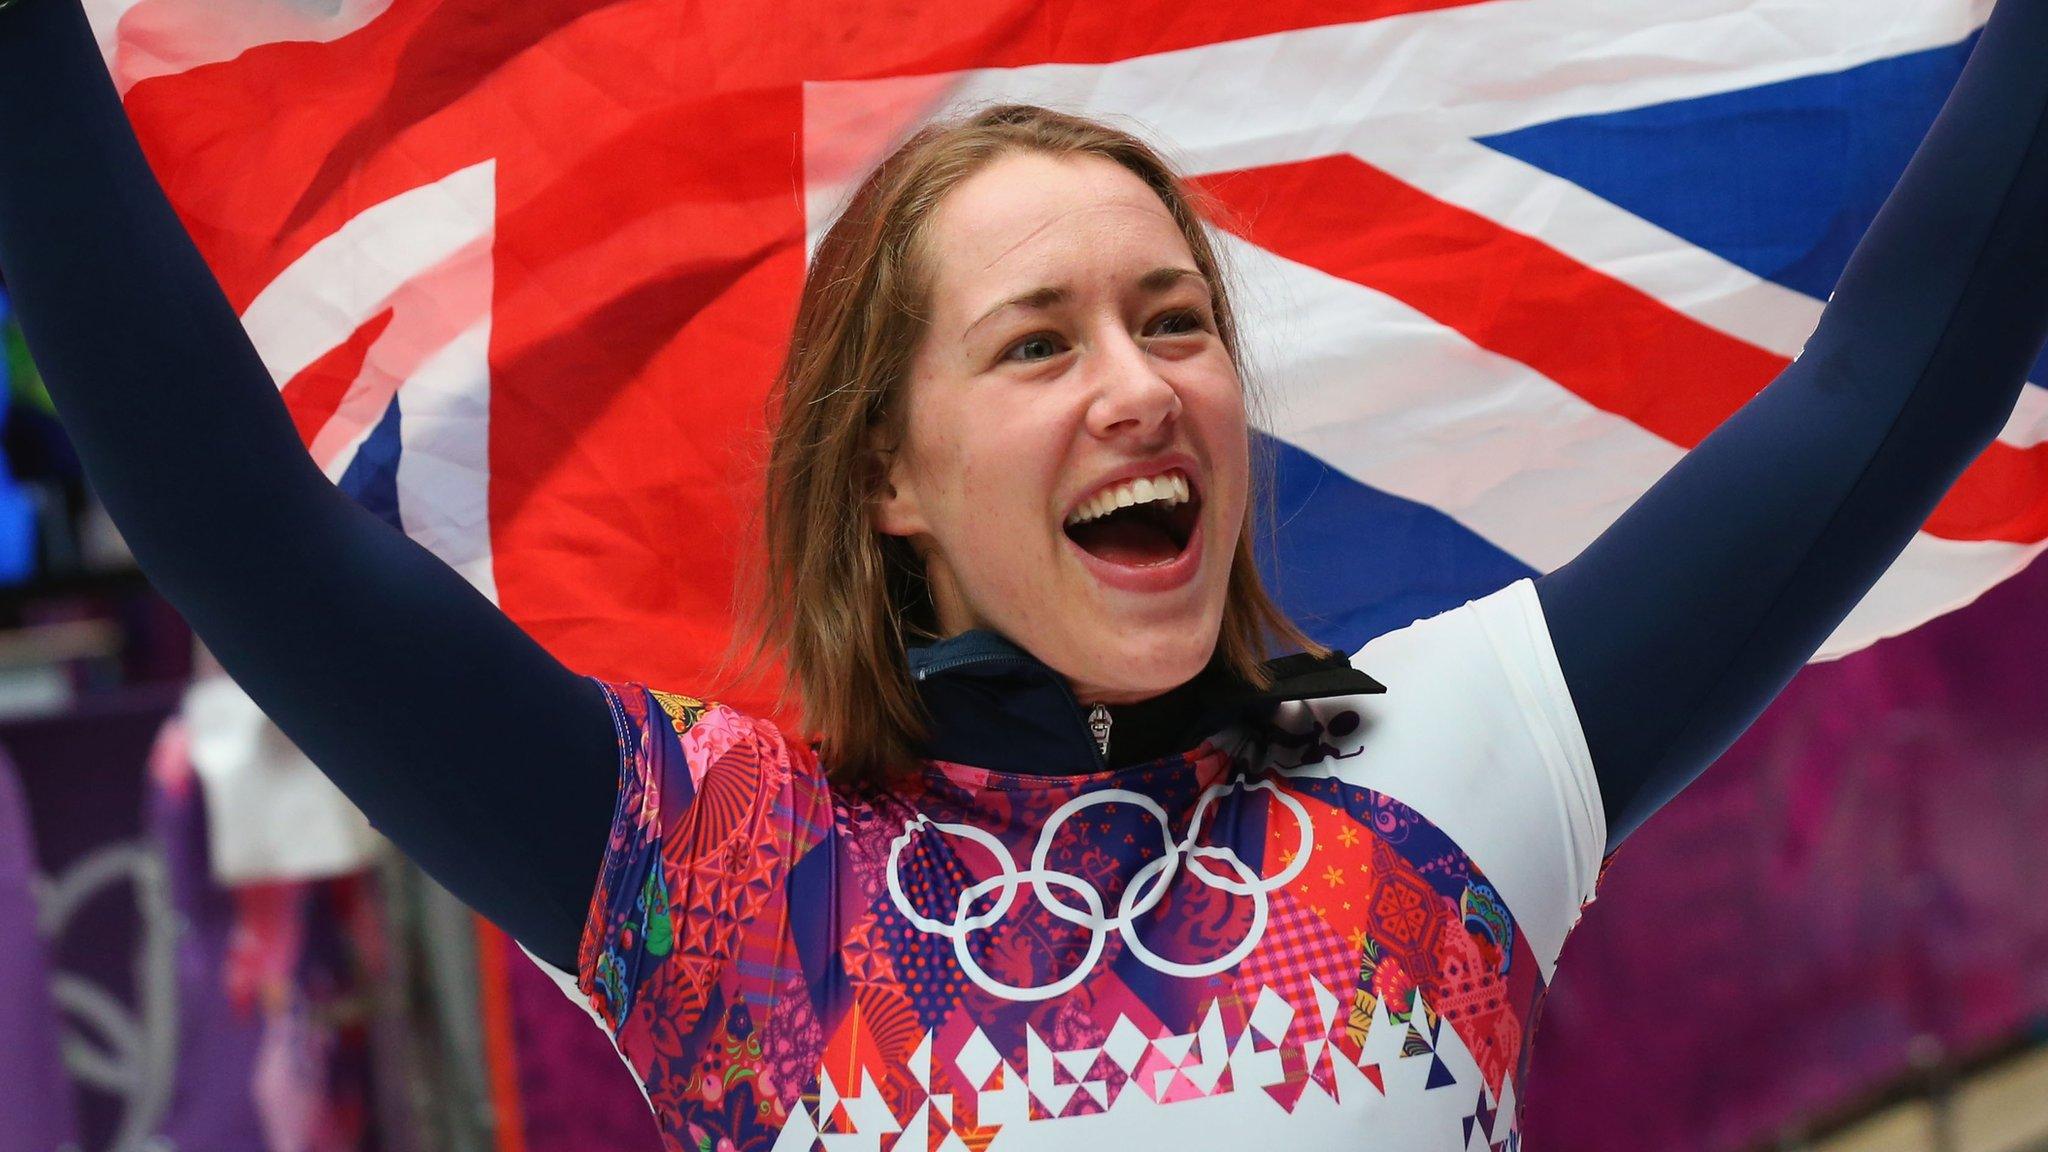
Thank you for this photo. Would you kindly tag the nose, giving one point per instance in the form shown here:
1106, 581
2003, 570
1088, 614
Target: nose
1131, 397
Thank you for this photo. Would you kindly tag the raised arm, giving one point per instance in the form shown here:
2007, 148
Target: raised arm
475, 751
1681, 622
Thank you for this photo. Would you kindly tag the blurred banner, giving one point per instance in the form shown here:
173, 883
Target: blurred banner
524, 272
1853, 892
35, 1091
105, 910
194, 1016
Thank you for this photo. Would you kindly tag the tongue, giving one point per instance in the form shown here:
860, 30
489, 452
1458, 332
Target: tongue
1126, 539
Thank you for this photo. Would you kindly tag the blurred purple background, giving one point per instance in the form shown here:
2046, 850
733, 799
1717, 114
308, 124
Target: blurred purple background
1862, 868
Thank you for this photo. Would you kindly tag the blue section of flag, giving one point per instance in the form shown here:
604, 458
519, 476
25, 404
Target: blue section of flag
372, 477
1782, 179
1349, 562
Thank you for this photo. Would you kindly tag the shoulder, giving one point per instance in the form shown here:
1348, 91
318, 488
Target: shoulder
1477, 735
1486, 667
714, 807
670, 740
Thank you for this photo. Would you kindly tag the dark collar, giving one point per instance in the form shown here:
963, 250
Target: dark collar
996, 706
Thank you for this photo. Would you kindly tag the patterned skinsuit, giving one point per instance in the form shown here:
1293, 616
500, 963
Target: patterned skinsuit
1334, 918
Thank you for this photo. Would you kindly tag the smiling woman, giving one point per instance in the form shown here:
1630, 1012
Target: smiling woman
1017, 318
1130, 390
1069, 864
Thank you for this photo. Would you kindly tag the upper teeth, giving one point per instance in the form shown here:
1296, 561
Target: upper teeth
1167, 488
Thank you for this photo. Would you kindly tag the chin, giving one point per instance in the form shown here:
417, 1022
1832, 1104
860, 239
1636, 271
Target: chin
1146, 664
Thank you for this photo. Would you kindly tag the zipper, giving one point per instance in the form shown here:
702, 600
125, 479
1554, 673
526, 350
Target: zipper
1098, 727
998, 661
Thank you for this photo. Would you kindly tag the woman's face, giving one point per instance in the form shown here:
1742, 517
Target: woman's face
1071, 352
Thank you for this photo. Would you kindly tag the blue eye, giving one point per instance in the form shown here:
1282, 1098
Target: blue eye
1191, 319
1035, 338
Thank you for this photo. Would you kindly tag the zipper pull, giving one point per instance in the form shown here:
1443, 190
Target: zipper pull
1098, 725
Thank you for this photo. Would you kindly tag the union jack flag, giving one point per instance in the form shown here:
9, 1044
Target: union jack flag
523, 272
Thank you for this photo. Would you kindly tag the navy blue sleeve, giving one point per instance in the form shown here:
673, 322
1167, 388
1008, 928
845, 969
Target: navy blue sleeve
1681, 622
463, 740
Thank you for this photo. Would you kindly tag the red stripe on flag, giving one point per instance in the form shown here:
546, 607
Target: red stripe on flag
315, 393
2002, 496
1512, 294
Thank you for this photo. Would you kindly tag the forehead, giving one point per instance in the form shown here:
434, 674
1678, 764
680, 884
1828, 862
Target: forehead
1030, 215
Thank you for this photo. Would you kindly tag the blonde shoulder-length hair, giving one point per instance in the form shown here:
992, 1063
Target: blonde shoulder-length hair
838, 600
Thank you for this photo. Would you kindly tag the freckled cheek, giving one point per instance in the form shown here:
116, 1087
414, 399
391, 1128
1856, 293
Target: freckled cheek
995, 504
1216, 400
993, 463
1219, 414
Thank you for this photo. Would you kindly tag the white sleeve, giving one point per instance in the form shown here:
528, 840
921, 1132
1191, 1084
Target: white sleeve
1478, 734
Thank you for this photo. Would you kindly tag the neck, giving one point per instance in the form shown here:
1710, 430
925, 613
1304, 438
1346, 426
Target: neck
1146, 729
993, 705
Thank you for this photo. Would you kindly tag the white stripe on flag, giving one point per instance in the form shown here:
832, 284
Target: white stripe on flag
444, 469
350, 276
1603, 236
425, 255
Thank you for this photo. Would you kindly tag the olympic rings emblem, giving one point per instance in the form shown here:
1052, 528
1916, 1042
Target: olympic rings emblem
1147, 887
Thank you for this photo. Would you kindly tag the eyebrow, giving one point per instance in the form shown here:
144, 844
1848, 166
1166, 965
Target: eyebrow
1156, 281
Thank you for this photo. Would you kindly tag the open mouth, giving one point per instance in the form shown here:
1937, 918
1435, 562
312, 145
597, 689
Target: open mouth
1138, 523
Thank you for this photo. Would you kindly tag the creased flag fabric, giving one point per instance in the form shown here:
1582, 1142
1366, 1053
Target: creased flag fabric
523, 274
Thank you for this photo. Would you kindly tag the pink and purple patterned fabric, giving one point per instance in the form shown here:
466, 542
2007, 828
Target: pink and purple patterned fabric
1269, 936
